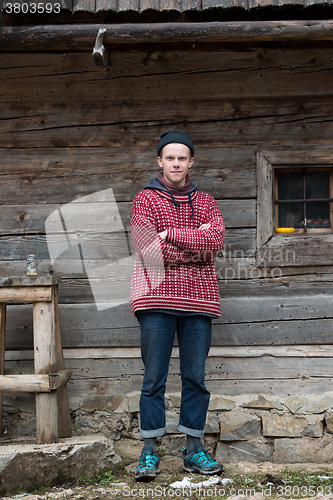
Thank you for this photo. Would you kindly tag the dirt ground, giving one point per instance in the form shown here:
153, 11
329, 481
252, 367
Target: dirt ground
171, 467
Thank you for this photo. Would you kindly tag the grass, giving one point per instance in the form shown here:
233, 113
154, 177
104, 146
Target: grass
297, 484
102, 478
294, 484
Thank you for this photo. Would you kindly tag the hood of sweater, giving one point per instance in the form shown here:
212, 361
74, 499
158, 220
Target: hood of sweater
155, 184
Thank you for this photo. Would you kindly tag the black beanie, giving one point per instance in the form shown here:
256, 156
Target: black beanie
175, 136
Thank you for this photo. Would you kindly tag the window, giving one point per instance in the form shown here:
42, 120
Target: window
295, 190
303, 200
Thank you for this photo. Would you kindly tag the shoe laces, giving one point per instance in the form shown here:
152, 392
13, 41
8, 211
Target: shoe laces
148, 460
202, 458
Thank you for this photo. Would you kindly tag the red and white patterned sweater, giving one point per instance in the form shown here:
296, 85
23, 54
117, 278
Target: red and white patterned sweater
177, 273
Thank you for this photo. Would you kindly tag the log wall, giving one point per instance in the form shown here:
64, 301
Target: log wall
70, 129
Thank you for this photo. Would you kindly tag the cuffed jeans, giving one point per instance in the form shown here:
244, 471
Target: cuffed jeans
157, 337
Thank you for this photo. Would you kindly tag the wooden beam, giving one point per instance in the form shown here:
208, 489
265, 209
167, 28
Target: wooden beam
64, 418
2, 351
82, 36
25, 294
40, 280
59, 379
45, 363
25, 383
34, 383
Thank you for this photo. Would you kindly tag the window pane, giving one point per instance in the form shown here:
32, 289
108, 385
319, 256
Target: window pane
318, 214
291, 215
317, 185
290, 186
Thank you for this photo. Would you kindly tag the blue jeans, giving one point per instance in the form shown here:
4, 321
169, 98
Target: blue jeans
157, 337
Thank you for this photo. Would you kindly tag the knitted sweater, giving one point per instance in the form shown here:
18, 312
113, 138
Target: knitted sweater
176, 273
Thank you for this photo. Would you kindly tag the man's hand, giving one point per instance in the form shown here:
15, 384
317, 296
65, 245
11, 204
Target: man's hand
204, 226
163, 234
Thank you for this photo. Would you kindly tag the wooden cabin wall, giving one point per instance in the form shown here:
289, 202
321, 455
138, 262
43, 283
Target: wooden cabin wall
69, 129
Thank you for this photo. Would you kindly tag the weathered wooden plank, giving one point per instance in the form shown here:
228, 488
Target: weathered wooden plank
34, 173
16, 218
303, 251
81, 388
280, 387
291, 351
30, 281
277, 73
217, 368
19, 267
229, 268
232, 266
314, 331
277, 388
304, 285
82, 326
253, 309
279, 83
25, 294
78, 290
294, 351
106, 247
240, 120
41, 67
307, 155
101, 248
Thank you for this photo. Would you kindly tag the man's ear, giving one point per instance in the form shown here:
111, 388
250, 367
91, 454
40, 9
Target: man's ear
191, 162
159, 161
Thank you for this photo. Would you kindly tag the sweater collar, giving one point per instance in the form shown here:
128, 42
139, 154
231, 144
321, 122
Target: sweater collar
161, 184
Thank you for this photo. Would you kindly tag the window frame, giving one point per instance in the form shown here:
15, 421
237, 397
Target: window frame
306, 168
278, 249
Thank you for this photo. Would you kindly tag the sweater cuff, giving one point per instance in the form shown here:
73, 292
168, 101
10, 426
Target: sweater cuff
171, 235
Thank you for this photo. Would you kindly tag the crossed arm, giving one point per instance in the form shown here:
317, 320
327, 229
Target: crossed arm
164, 233
175, 245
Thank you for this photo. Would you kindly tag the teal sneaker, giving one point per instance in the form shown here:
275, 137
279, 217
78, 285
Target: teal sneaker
148, 466
199, 461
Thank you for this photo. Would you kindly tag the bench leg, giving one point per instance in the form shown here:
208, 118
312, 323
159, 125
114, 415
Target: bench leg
45, 362
2, 351
64, 418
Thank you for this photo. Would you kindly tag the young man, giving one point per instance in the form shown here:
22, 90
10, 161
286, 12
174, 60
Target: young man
176, 230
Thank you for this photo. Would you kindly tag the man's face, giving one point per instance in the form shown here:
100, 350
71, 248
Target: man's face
175, 161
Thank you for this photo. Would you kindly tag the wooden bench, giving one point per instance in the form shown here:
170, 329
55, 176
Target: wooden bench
50, 378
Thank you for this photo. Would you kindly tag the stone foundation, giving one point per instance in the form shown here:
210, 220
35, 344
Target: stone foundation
252, 428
